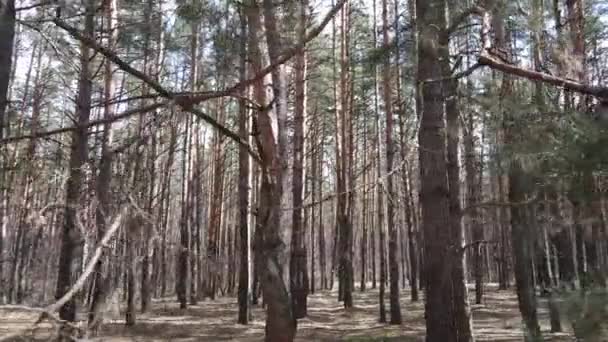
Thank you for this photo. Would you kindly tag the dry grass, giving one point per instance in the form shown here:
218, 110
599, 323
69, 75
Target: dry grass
496, 320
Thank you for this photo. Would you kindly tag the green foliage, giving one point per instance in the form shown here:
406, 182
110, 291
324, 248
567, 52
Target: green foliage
191, 10
588, 313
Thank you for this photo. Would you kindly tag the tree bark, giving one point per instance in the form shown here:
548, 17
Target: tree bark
438, 237
243, 190
78, 156
7, 34
298, 268
102, 282
462, 315
521, 238
390, 220
280, 321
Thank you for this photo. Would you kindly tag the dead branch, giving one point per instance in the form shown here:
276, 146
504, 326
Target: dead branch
485, 58
44, 134
532, 200
187, 102
478, 243
48, 312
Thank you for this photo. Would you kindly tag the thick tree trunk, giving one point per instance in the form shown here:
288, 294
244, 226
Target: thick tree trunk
280, 321
442, 305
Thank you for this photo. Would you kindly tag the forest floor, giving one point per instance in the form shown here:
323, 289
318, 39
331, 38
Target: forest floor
498, 319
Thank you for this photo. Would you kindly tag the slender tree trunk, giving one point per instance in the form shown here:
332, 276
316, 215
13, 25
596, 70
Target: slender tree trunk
321, 234
7, 33
364, 219
147, 250
243, 190
182, 281
215, 211
344, 228
298, 273
462, 318
474, 215
390, 220
521, 239
132, 230
102, 290
313, 151
78, 156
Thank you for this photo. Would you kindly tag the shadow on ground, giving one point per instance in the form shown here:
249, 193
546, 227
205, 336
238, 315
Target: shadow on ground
496, 320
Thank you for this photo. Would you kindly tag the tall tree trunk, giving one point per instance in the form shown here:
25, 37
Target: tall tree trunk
243, 190
364, 217
102, 284
182, 272
298, 272
379, 195
473, 198
442, 305
194, 169
390, 220
343, 163
321, 233
280, 321
78, 156
7, 33
462, 318
215, 211
521, 238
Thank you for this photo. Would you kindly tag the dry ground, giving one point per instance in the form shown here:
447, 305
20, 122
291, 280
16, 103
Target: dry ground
496, 320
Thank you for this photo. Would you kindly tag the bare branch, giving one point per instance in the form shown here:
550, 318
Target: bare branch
49, 311
459, 75
104, 121
493, 62
39, 4
187, 102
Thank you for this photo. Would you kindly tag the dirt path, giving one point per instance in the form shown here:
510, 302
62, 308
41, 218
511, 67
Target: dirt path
497, 320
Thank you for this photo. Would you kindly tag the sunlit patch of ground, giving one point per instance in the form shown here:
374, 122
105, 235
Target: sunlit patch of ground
496, 320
